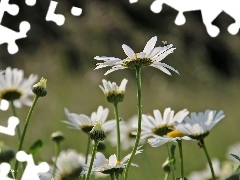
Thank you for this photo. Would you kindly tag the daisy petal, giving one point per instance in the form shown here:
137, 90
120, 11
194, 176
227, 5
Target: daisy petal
157, 141
114, 68
113, 160
160, 67
150, 45
128, 51
105, 58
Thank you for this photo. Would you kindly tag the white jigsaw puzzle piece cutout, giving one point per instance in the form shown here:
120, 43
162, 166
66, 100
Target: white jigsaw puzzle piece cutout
76, 11
4, 105
12, 9
10, 129
209, 10
133, 1
4, 170
30, 2
31, 171
7, 35
59, 19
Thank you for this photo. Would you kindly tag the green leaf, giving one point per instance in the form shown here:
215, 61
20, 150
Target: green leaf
172, 161
235, 156
238, 169
35, 147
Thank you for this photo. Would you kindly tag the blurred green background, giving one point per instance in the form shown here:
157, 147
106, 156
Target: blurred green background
209, 73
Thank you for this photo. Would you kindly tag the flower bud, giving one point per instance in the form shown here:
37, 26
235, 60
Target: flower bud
97, 134
6, 153
57, 136
115, 97
166, 167
114, 93
40, 89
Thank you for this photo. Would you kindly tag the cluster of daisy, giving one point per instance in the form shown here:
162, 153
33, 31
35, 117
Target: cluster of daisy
162, 129
165, 127
15, 91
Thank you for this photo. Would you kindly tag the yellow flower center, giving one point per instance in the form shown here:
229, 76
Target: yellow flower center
161, 130
175, 133
117, 163
10, 94
136, 63
115, 96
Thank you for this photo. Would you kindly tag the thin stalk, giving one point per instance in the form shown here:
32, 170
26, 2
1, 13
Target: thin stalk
92, 159
15, 114
112, 176
24, 131
87, 150
118, 131
166, 176
169, 153
208, 159
117, 176
57, 150
139, 105
170, 156
181, 157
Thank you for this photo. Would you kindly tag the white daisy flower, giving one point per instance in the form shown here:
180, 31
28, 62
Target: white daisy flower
149, 57
161, 129
85, 123
221, 173
198, 126
113, 93
159, 125
108, 166
127, 137
109, 87
70, 165
234, 149
14, 87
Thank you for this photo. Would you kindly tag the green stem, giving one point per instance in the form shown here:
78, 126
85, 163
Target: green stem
181, 157
171, 167
15, 114
169, 153
88, 148
24, 131
208, 159
87, 152
118, 130
92, 159
166, 176
112, 176
138, 79
57, 150
117, 176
